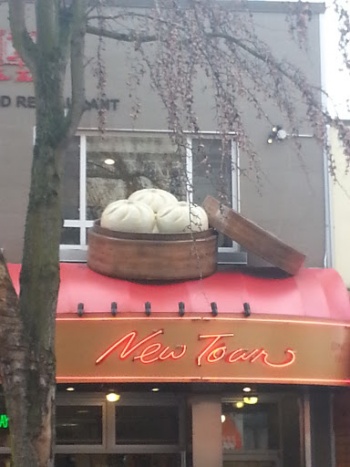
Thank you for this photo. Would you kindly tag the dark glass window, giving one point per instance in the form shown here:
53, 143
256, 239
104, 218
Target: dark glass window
71, 180
118, 165
212, 171
79, 424
147, 425
70, 236
212, 175
250, 428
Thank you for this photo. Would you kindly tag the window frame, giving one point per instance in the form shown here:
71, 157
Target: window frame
78, 252
247, 455
109, 446
88, 400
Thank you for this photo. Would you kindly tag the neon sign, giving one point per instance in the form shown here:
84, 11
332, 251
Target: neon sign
4, 421
216, 348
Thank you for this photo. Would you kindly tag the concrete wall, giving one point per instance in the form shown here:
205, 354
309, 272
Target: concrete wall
290, 202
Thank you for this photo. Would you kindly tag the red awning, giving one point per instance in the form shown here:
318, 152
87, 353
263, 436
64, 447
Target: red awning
312, 293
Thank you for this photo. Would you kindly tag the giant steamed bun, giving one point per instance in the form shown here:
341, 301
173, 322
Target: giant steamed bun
128, 216
182, 217
154, 197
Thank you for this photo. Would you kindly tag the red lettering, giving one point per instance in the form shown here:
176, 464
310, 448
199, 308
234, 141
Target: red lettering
215, 350
147, 352
167, 354
9, 56
213, 353
128, 340
23, 75
153, 352
235, 356
290, 359
209, 353
3, 76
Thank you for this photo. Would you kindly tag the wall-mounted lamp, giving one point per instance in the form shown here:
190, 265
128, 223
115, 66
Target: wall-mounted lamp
80, 309
109, 161
250, 400
148, 308
214, 308
181, 309
246, 309
114, 308
112, 396
277, 133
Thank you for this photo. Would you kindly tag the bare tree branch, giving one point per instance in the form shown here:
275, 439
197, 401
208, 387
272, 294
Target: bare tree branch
120, 36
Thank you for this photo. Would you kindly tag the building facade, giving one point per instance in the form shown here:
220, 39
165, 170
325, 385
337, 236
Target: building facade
240, 369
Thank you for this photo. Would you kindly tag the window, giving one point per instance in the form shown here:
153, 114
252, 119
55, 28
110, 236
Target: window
250, 428
99, 169
157, 425
77, 424
251, 432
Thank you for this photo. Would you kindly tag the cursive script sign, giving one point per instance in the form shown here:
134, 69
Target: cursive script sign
104, 349
151, 349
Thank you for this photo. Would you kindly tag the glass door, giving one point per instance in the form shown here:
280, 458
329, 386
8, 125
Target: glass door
251, 432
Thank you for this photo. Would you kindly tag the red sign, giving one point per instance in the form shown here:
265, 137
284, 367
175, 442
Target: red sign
190, 349
214, 350
9, 56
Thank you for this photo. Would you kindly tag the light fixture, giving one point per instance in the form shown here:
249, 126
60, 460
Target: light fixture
277, 133
239, 404
250, 400
155, 389
112, 396
223, 418
247, 389
109, 161
70, 389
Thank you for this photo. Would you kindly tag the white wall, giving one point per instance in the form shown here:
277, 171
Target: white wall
340, 199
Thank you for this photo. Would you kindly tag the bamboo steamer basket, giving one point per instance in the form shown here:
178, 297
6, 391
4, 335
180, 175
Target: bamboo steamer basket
152, 257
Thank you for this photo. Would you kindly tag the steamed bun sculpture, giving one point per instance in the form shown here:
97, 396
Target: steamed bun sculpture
143, 246
182, 217
128, 216
154, 197
154, 211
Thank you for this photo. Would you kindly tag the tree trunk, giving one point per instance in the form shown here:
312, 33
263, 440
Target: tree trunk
28, 362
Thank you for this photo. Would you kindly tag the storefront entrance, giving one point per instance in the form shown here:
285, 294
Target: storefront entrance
188, 429
262, 430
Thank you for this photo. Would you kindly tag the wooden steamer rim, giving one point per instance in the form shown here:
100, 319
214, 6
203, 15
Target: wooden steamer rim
152, 257
252, 237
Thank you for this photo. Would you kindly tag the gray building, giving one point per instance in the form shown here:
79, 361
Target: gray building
289, 200
164, 420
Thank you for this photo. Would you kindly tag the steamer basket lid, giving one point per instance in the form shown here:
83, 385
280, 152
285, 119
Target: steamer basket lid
252, 237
